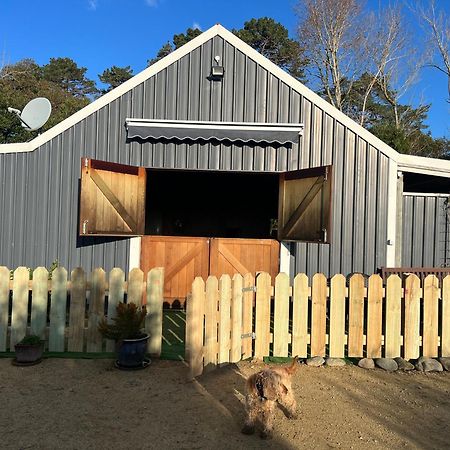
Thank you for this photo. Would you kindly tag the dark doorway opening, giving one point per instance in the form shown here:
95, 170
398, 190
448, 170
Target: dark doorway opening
211, 204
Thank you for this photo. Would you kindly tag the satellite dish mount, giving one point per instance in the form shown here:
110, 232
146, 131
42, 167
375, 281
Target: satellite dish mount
35, 113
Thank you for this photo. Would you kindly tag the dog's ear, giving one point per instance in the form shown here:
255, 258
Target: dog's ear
291, 369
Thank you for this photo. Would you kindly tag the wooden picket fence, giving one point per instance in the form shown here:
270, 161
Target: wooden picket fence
65, 312
230, 319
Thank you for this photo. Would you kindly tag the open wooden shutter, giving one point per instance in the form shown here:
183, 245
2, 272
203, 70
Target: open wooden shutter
305, 205
112, 199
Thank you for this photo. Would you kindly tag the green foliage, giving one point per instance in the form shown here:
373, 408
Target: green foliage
127, 324
265, 35
115, 76
178, 41
65, 73
20, 83
31, 339
271, 39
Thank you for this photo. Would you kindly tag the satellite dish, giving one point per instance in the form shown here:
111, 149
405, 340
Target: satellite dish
35, 113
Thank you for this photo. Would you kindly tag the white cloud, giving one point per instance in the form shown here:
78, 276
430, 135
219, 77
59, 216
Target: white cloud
152, 3
196, 26
92, 4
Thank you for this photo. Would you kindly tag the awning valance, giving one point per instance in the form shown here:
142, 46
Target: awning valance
281, 133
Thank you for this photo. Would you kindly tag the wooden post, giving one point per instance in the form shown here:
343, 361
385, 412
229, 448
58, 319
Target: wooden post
115, 296
77, 310
194, 327
374, 316
211, 316
393, 317
155, 300
135, 289
318, 315
281, 316
300, 316
337, 317
19, 306
4, 305
430, 317
58, 310
248, 303
224, 319
237, 327
96, 311
411, 338
39, 300
445, 320
262, 325
356, 316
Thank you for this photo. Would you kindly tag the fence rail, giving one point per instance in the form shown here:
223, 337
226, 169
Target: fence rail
359, 317
65, 312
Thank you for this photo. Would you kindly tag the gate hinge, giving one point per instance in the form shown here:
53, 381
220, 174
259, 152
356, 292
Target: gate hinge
249, 289
248, 335
85, 222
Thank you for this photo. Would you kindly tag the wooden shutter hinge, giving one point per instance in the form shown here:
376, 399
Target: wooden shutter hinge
248, 335
84, 230
249, 289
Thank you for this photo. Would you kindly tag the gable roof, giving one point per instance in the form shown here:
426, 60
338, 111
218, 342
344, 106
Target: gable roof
405, 162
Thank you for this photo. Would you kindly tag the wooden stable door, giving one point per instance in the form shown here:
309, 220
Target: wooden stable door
243, 256
185, 258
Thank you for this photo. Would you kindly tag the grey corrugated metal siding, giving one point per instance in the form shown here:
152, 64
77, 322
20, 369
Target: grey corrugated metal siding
426, 231
39, 190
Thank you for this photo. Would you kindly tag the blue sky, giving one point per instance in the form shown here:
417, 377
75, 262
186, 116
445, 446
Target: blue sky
100, 33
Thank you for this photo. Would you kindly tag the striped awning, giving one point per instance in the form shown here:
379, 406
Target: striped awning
281, 133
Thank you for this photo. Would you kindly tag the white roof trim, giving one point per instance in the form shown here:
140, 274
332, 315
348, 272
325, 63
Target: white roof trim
406, 163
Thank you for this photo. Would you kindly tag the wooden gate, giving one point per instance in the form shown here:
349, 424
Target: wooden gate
185, 258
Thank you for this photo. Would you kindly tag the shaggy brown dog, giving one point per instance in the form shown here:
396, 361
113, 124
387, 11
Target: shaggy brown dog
266, 389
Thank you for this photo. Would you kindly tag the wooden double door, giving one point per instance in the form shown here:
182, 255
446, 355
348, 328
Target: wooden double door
185, 258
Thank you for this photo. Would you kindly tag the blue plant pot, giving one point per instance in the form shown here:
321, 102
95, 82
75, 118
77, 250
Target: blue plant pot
131, 352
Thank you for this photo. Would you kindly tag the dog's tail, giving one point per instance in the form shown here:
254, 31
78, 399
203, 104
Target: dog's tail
293, 367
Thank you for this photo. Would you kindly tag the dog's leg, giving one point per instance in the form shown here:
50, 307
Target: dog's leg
289, 405
267, 413
252, 413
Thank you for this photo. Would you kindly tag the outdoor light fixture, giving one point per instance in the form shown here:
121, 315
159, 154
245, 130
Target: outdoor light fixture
217, 71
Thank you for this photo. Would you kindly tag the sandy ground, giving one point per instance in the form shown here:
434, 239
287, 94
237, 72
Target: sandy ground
81, 404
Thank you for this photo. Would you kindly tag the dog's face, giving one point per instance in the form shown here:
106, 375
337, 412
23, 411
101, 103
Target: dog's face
266, 389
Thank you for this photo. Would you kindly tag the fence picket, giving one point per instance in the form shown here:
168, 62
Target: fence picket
237, 325
224, 319
58, 303
96, 311
19, 306
155, 300
4, 306
77, 310
281, 316
318, 315
374, 316
412, 318
248, 301
393, 317
445, 320
135, 289
39, 302
300, 316
212, 299
262, 315
116, 295
430, 316
337, 317
194, 327
356, 316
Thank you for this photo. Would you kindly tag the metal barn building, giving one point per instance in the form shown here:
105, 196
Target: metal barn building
216, 160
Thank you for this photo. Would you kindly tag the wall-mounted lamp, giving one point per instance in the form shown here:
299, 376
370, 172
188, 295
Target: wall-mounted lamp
217, 71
